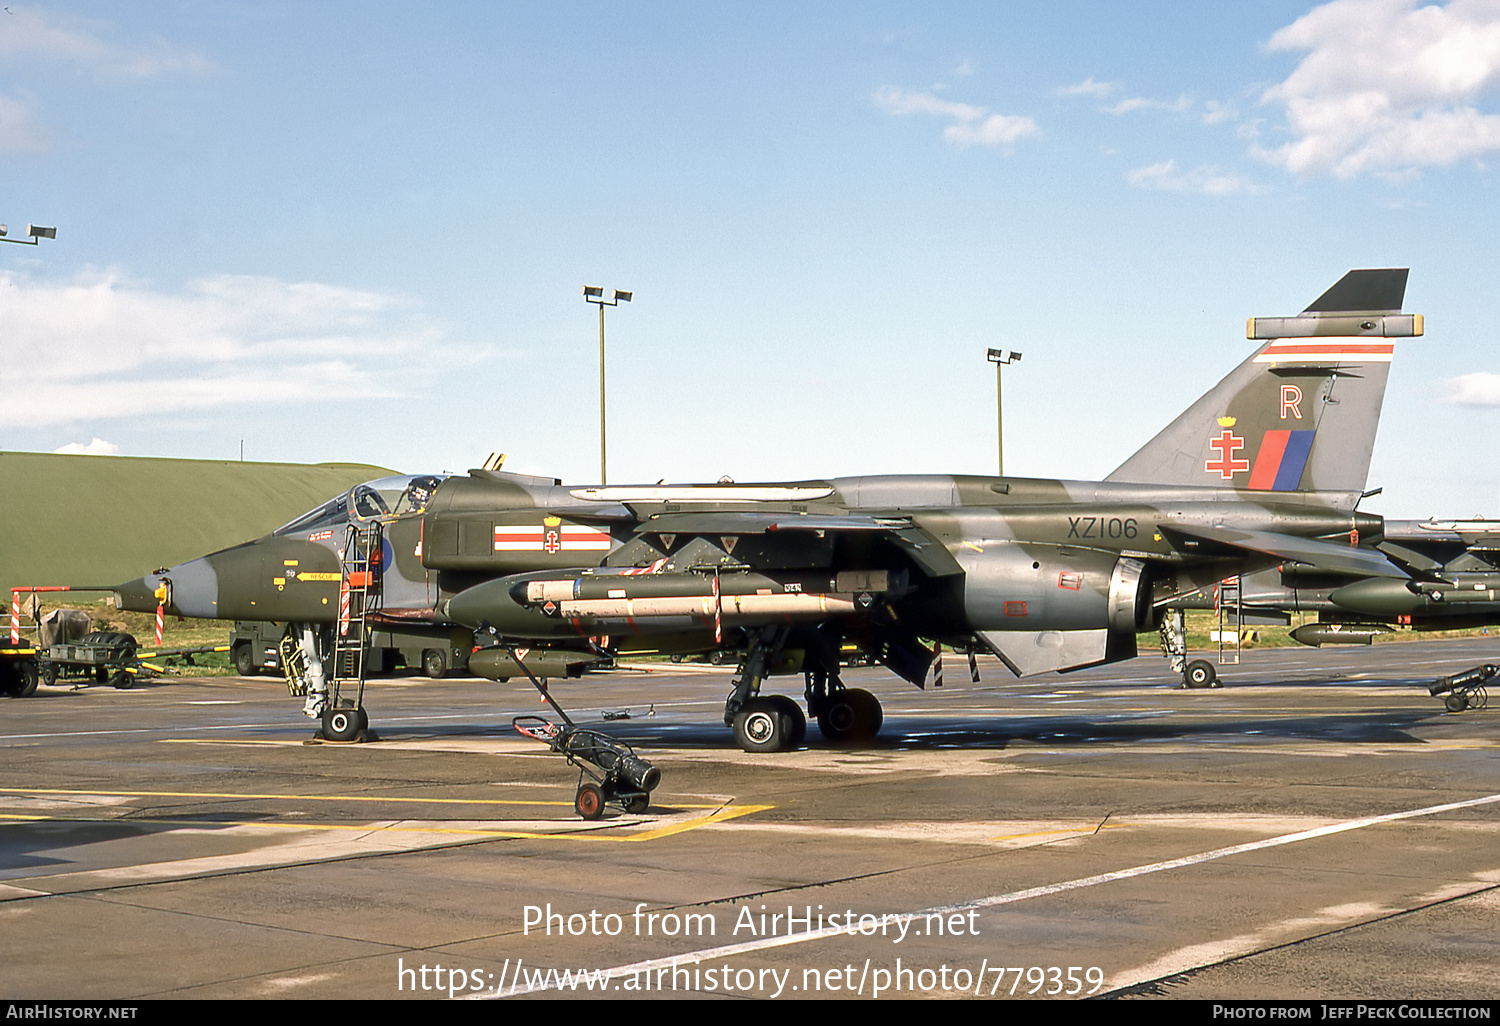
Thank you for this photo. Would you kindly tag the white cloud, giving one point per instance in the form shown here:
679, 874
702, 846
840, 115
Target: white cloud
900, 102
995, 130
1205, 179
103, 347
34, 34
974, 126
1215, 112
1088, 87
1135, 103
98, 447
1479, 389
1387, 87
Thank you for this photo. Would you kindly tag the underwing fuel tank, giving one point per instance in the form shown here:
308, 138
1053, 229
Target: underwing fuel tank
1385, 597
499, 664
616, 602
1315, 635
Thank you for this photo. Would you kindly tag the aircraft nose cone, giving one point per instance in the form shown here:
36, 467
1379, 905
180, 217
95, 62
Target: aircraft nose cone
193, 591
137, 595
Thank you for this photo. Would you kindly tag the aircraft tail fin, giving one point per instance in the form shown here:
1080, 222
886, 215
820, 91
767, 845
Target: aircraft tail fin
1300, 413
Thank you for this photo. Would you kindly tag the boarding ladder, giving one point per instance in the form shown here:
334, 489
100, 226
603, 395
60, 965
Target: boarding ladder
359, 597
1230, 607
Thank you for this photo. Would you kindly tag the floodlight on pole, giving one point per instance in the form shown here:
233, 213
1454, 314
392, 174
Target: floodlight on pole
34, 233
595, 294
1000, 357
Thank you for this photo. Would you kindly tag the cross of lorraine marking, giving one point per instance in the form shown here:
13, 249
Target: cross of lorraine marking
1227, 466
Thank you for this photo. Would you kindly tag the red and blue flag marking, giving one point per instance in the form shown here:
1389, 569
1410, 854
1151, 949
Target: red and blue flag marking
1281, 460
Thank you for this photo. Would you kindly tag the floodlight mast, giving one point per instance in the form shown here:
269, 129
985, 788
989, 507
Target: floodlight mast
34, 233
595, 294
999, 358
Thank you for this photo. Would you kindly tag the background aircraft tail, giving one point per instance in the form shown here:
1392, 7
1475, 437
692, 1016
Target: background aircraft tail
1300, 414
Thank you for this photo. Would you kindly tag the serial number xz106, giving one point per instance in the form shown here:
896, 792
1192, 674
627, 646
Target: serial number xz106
1101, 527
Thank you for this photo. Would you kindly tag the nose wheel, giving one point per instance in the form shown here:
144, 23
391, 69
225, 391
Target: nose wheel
1200, 673
345, 724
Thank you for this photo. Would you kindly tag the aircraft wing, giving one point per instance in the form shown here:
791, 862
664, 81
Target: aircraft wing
1416, 563
753, 522
1487, 548
926, 552
1324, 555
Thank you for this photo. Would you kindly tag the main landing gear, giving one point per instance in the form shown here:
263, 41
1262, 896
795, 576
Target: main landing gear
609, 771
776, 723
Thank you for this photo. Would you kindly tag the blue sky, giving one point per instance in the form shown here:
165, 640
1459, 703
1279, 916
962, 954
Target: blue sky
357, 231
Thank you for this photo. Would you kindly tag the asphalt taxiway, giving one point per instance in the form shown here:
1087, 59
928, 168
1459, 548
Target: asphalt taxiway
1317, 828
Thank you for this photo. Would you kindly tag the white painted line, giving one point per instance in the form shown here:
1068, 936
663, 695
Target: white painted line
1210, 856
1037, 892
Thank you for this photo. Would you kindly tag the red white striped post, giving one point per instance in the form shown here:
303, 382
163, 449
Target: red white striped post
718, 613
163, 593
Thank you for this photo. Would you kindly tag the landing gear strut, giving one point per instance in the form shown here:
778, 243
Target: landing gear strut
1200, 673
775, 723
763, 723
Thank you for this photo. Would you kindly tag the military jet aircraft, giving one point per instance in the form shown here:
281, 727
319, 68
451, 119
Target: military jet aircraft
1267, 468
1454, 583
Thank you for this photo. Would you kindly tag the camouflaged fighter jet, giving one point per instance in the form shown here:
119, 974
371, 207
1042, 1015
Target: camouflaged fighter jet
1453, 582
1267, 468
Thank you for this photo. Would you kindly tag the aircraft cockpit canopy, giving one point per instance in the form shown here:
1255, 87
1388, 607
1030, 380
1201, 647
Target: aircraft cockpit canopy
393, 497
385, 498
323, 517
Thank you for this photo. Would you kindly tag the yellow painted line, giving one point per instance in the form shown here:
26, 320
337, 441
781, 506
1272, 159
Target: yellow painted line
593, 833
321, 797
524, 749
720, 815
1076, 832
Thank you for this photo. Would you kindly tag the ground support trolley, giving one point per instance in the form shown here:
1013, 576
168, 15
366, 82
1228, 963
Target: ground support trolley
609, 771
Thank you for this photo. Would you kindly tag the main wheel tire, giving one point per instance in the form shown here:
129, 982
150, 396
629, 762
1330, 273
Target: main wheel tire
851, 716
761, 726
434, 662
1200, 673
343, 724
793, 720
589, 802
244, 659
